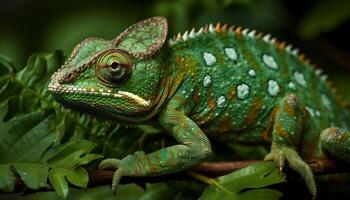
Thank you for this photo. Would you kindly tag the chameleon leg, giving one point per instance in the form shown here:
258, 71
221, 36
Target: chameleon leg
336, 142
289, 119
194, 146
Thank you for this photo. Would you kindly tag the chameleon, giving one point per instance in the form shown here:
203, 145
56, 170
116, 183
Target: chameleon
221, 82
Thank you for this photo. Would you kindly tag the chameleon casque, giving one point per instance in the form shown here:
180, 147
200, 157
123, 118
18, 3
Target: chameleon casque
219, 82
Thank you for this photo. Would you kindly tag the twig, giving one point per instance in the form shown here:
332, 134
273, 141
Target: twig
211, 169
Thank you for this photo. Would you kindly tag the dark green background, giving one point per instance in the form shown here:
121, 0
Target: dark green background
320, 28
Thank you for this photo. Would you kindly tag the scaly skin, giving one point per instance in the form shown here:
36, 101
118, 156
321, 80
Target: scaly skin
222, 83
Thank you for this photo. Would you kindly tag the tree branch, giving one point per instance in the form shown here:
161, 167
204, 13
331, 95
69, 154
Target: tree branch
211, 169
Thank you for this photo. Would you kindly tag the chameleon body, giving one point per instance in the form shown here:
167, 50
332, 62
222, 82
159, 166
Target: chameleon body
221, 82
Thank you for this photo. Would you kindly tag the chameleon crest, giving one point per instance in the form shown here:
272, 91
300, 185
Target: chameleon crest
220, 82
105, 75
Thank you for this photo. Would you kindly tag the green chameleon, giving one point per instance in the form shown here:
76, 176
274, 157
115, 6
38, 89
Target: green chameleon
223, 83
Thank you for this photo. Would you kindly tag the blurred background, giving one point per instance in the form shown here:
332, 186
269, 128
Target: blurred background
320, 28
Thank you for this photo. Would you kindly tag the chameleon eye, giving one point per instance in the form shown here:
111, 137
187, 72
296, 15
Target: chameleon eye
114, 67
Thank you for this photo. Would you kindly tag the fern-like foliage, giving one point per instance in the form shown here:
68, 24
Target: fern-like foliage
38, 139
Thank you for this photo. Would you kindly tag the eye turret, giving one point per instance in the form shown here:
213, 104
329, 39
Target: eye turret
114, 67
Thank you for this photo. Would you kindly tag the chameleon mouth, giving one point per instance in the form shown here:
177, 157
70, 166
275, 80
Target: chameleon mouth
58, 89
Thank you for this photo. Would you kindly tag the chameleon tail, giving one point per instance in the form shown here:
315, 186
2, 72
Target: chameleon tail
337, 142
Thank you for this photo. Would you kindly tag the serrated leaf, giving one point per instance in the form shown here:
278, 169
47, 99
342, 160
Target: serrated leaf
34, 175
239, 184
57, 178
34, 126
78, 177
27, 145
88, 158
69, 155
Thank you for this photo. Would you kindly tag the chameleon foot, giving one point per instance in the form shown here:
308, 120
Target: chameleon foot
109, 163
115, 181
112, 163
281, 155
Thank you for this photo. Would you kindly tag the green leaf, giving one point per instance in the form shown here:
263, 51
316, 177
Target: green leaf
9, 89
34, 175
88, 158
325, 16
261, 194
7, 179
6, 66
70, 154
27, 139
157, 191
58, 178
31, 142
78, 177
58, 182
239, 184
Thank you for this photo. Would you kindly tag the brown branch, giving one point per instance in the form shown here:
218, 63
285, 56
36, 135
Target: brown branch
211, 169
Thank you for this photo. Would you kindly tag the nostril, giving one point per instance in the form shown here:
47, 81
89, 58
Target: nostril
70, 76
66, 79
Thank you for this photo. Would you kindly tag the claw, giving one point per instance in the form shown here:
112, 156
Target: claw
281, 155
281, 161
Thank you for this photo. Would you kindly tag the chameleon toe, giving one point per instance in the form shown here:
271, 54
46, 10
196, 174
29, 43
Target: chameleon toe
109, 163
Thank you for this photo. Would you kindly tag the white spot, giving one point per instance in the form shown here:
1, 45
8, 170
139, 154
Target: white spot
221, 102
292, 85
318, 71
270, 61
252, 73
135, 97
299, 77
311, 111
317, 112
207, 81
231, 53
324, 77
209, 58
242, 91
326, 102
273, 88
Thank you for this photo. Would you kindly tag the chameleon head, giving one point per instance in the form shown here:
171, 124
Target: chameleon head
117, 79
